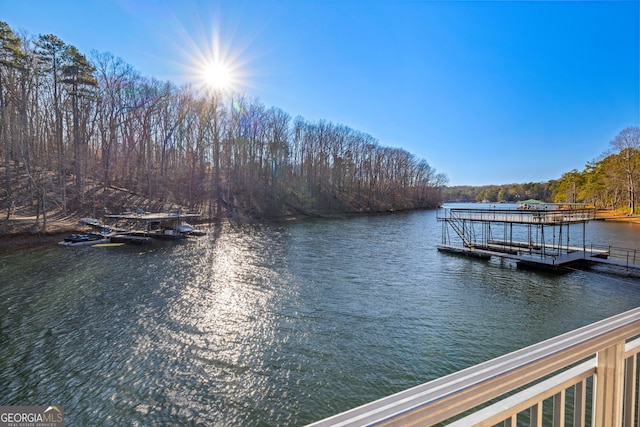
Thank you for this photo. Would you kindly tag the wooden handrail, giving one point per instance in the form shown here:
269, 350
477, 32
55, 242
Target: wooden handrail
459, 392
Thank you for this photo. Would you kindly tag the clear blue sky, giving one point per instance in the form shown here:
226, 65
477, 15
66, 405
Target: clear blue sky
487, 92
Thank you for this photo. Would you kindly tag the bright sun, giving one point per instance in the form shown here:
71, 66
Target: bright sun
210, 64
217, 75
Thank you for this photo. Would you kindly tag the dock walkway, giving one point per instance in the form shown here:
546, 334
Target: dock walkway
532, 259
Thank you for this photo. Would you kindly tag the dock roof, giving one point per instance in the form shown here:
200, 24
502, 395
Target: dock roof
518, 216
150, 216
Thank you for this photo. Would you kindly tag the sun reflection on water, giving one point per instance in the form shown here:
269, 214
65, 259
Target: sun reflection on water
221, 328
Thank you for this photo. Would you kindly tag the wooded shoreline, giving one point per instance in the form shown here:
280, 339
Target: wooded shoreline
82, 134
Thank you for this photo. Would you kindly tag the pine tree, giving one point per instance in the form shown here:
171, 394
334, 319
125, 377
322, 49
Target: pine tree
50, 51
11, 57
78, 75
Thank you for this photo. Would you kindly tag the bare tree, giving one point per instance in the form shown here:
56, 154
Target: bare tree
627, 144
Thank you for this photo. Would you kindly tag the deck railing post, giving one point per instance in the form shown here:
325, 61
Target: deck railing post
627, 259
609, 383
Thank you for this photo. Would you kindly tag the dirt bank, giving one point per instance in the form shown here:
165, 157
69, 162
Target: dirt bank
611, 215
20, 232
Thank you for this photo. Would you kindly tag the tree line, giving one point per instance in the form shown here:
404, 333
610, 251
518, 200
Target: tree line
610, 182
72, 124
510, 193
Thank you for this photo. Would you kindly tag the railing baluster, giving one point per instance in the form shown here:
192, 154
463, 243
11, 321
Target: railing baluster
536, 415
630, 391
579, 404
637, 402
512, 421
558, 409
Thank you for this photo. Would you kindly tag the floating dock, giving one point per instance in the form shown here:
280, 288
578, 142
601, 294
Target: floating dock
533, 235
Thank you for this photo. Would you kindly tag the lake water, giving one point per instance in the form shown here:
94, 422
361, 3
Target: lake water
277, 324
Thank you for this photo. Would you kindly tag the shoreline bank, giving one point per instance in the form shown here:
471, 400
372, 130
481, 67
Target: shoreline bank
610, 215
20, 232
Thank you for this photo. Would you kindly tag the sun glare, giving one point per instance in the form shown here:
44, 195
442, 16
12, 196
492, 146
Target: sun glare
217, 76
211, 58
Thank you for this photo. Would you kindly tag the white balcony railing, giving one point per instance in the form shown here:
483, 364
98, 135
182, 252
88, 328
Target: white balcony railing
588, 376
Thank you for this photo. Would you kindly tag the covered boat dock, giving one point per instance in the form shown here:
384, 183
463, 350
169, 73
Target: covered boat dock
534, 235
143, 225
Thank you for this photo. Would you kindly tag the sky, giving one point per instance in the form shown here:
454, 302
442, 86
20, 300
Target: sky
487, 92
